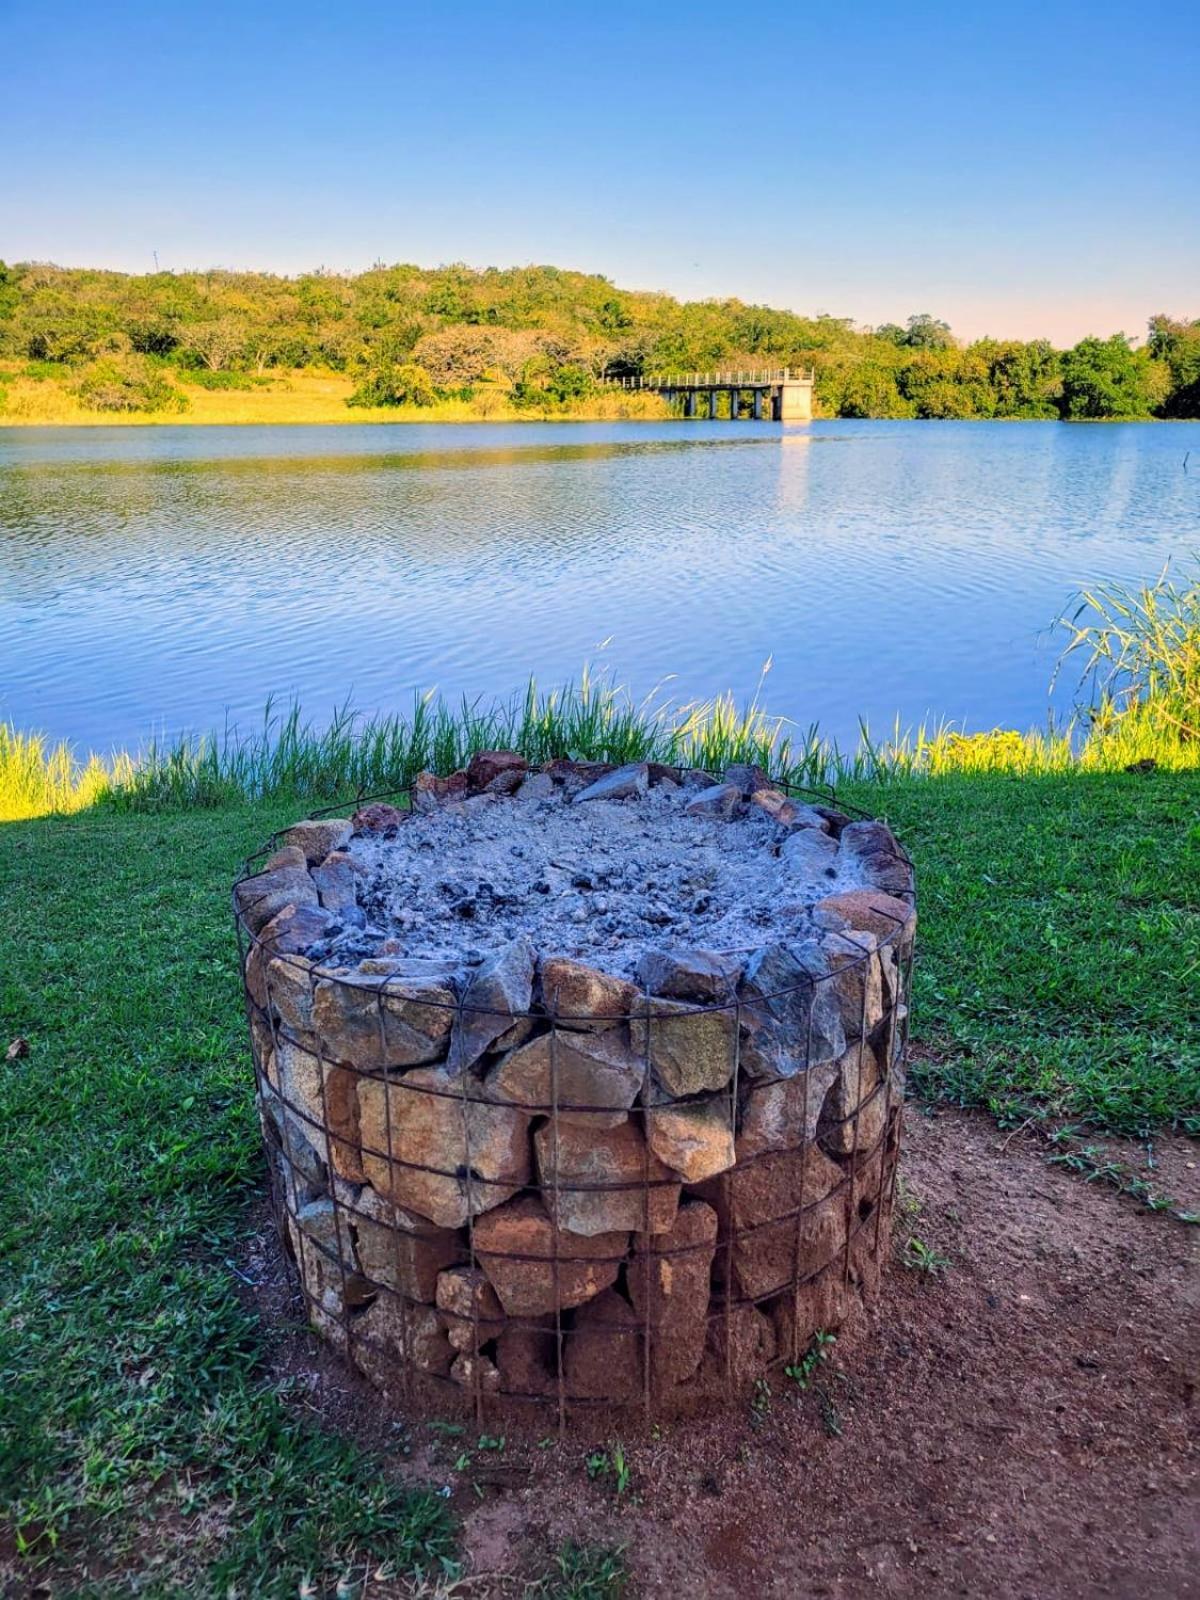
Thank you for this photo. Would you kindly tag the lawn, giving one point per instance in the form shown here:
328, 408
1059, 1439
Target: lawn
144, 1447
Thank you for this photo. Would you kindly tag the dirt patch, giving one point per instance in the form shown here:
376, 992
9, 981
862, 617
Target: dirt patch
1023, 1423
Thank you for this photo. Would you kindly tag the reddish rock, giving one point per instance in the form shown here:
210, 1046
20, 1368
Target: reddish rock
383, 1014
669, 1280
398, 1249
602, 1358
721, 801
570, 1069
581, 997
526, 1358
603, 1180
377, 818
741, 1341
693, 1138
391, 1333
532, 1265
485, 766
438, 1154
781, 1216
317, 838
891, 920
476, 1372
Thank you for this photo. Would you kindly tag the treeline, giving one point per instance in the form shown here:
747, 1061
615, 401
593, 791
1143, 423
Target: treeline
542, 337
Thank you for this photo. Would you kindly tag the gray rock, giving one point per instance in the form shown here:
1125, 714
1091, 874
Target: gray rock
622, 784
691, 1051
790, 1017
808, 852
722, 800
685, 974
381, 1016
747, 779
500, 989
570, 1069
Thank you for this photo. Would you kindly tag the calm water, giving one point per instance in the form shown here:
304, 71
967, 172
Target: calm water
154, 580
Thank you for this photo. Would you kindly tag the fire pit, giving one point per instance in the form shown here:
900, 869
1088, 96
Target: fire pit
580, 1086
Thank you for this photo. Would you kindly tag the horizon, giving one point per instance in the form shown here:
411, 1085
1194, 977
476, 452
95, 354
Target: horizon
1013, 175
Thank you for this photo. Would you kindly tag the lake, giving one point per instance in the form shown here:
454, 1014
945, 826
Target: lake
154, 580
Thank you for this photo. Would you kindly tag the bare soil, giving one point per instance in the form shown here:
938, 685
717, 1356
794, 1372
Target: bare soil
1023, 1423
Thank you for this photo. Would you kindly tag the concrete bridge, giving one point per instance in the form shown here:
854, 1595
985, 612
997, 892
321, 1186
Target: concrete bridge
781, 395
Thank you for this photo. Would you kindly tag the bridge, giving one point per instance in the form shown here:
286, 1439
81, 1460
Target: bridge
782, 395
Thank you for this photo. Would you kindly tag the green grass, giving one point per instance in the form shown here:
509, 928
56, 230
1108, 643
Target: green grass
143, 1442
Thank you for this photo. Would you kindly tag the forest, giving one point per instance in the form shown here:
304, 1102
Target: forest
539, 339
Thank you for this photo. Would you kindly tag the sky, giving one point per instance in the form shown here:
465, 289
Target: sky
1020, 169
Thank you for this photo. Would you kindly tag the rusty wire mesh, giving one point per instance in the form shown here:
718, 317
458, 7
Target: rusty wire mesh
689, 1310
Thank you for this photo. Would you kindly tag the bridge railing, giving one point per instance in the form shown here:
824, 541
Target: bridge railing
750, 379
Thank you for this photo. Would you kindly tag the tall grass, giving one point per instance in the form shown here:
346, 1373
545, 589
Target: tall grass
1140, 648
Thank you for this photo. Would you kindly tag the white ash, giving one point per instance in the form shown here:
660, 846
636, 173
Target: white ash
601, 881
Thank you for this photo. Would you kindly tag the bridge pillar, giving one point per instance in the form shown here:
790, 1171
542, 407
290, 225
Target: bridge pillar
690, 407
758, 397
795, 400
734, 404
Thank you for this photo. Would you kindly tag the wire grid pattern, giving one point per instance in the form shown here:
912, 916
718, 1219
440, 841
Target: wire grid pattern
827, 1241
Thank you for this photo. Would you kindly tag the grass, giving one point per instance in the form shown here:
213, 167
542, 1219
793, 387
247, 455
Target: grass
34, 397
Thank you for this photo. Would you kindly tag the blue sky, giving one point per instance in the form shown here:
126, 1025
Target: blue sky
1019, 169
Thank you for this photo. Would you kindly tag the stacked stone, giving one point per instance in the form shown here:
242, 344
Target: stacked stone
551, 1182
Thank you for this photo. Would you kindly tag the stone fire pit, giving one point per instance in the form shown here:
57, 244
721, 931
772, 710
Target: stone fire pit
581, 1086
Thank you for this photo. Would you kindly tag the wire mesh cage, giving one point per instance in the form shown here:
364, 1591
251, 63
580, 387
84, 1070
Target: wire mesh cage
616, 1194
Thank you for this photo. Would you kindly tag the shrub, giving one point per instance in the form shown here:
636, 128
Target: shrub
406, 385
127, 383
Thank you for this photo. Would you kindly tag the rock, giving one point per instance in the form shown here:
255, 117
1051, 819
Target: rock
502, 987
603, 1180
783, 1114
288, 857
823, 1304
572, 776
690, 1051
302, 1167
622, 784
781, 1216
317, 838
377, 818
337, 884
571, 1070
537, 786
430, 791
449, 1156
856, 1106
857, 980
476, 1372
721, 801
292, 930
287, 990
582, 997
527, 1360
322, 1098
746, 779
879, 857
261, 898
659, 773
391, 1334
669, 1278
485, 766
789, 1016
397, 1248
694, 1139
777, 806
807, 853
383, 1014
683, 974
324, 1252
465, 1292
602, 1357
892, 921
533, 1266
742, 1341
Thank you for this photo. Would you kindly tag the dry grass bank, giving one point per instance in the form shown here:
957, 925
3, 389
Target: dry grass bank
302, 396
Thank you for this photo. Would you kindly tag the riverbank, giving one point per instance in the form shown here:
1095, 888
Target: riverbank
1060, 936
302, 396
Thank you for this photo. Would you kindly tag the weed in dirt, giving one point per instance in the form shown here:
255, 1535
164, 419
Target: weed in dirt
1094, 1166
611, 1464
820, 1350
923, 1258
760, 1402
583, 1572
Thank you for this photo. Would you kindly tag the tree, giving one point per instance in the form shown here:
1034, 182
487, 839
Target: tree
1104, 379
1177, 346
928, 333
218, 343
128, 383
408, 385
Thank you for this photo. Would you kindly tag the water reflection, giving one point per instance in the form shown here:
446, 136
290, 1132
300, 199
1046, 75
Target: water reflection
158, 577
